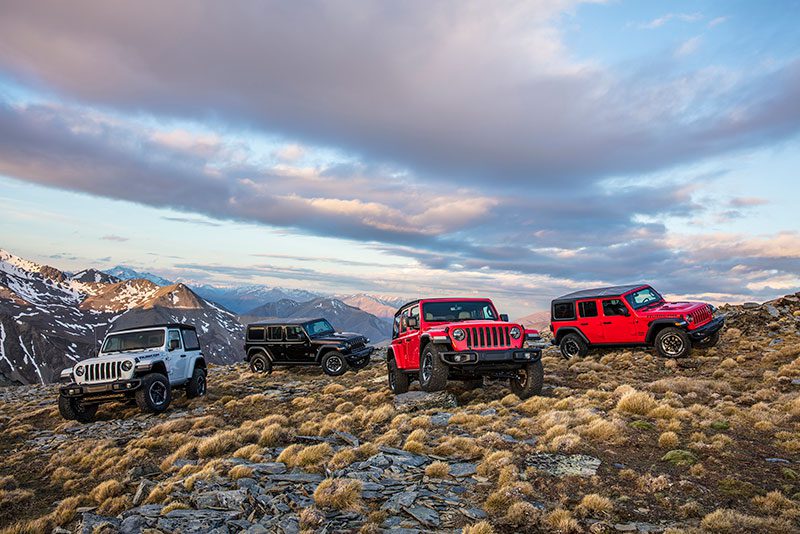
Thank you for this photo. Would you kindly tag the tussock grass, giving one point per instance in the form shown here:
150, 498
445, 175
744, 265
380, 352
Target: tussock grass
339, 494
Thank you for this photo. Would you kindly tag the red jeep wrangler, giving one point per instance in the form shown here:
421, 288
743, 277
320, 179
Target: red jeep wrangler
465, 339
631, 316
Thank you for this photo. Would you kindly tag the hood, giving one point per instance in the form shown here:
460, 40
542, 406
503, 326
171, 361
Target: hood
671, 309
338, 337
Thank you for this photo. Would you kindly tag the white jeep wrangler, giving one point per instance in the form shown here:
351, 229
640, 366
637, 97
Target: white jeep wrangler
144, 364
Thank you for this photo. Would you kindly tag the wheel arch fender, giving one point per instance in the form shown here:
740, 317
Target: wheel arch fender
564, 330
657, 325
325, 349
255, 350
158, 366
199, 363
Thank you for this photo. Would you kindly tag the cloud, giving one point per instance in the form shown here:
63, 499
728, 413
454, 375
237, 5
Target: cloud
717, 21
290, 153
485, 93
192, 220
748, 202
661, 21
112, 237
688, 47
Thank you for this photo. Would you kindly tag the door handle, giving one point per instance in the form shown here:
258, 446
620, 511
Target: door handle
584, 324
607, 322
183, 355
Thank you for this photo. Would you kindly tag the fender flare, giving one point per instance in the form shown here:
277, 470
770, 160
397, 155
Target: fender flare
563, 331
658, 324
326, 348
198, 363
254, 350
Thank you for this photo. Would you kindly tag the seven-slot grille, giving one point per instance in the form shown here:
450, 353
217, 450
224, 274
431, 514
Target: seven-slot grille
102, 371
488, 337
702, 315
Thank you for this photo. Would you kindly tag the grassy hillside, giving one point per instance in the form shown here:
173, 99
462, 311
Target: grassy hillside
621, 440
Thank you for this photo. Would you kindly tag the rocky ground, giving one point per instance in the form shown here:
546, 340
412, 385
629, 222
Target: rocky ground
619, 441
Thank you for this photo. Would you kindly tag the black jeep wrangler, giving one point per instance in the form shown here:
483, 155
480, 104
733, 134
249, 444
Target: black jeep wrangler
304, 342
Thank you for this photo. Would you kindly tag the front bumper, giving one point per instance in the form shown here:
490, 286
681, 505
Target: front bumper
359, 355
88, 390
708, 329
491, 357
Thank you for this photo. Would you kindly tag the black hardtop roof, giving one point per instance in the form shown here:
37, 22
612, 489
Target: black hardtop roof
599, 292
286, 321
182, 326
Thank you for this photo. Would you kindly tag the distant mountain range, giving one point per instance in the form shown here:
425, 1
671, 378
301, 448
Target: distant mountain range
342, 316
50, 319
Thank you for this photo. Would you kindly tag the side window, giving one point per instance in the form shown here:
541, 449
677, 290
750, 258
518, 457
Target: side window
415, 313
190, 341
294, 333
563, 311
275, 333
256, 333
174, 335
614, 307
587, 308
395, 326
403, 321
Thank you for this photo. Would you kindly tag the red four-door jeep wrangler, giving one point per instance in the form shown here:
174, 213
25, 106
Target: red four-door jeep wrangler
631, 316
461, 339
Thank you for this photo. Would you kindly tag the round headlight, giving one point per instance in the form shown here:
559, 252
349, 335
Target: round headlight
79, 370
515, 332
127, 365
459, 334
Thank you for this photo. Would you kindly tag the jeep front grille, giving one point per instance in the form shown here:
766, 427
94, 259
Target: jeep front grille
488, 337
702, 315
102, 371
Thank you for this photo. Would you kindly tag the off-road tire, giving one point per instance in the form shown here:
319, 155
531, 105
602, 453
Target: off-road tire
398, 380
260, 363
433, 371
196, 386
673, 342
361, 364
73, 409
154, 394
708, 342
333, 364
573, 346
528, 381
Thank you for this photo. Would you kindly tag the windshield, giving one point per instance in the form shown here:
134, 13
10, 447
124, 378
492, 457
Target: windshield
320, 327
145, 339
458, 311
643, 297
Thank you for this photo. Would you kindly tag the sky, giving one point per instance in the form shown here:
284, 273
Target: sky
511, 149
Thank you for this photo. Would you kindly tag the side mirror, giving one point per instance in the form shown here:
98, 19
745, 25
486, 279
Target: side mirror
413, 323
504, 317
174, 344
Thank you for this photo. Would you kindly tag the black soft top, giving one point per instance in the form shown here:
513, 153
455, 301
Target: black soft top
600, 292
286, 321
182, 326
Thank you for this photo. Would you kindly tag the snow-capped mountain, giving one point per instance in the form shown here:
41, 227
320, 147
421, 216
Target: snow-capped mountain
240, 299
50, 320
378, 305
126, 273
342, 316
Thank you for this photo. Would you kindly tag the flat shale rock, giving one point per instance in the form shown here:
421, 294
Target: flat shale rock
562, 465
420, 400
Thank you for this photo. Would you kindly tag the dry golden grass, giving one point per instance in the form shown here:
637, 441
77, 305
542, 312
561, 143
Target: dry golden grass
481, 527
493, 461
636, 403
437, 469
175, 505
240, 471
733, 522
273, 434
311, 518
107, 489
522, 515
114, 505
561, 520
668, 440
339, 494
594, 505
